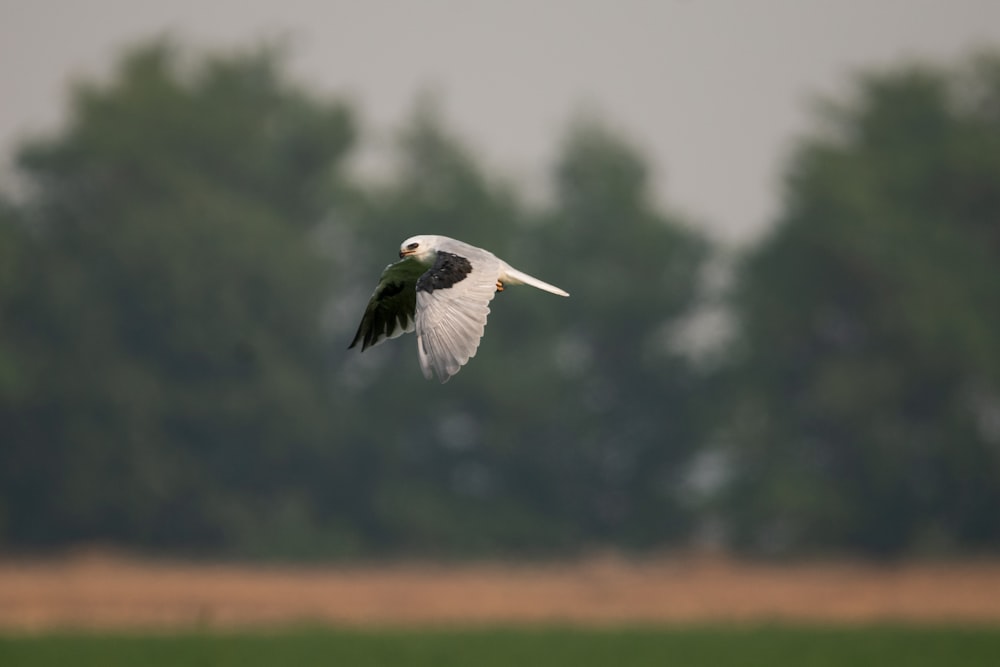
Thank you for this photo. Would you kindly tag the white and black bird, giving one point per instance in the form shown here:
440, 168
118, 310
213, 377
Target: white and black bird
442, 288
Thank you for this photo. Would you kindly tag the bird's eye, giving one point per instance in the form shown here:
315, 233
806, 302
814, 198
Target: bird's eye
412, 246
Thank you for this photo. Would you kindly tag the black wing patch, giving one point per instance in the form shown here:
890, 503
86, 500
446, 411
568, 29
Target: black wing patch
391, 309
448, 269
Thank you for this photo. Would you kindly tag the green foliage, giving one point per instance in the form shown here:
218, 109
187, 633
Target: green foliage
167, 319
569, 425
867, 379
192, 260
190, 255
633, 409
715, 646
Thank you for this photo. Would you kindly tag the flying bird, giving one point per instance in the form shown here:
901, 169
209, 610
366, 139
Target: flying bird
442, 288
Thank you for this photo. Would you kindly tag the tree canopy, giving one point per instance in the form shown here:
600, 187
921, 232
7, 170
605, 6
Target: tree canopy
185, 274
166, 303
867, 374
187, 259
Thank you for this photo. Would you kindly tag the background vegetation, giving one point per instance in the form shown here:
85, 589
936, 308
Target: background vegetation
184, 263
715, 646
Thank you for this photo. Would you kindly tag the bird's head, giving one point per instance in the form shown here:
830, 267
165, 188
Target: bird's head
421, 248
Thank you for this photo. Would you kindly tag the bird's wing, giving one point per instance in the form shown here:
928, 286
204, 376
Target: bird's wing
452, 305
390, 311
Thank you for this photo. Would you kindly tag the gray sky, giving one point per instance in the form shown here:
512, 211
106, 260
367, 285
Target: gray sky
712, 91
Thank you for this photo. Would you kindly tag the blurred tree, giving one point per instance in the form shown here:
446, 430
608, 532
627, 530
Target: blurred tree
168, 321
165, 378
401, 477
570, 425
628, 424
867, 383
11, 249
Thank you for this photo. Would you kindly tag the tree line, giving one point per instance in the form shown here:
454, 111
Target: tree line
183, 264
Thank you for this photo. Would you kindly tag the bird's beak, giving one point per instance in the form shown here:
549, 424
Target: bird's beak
405, 253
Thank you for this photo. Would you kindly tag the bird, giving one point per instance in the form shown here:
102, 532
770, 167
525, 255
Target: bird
442, 288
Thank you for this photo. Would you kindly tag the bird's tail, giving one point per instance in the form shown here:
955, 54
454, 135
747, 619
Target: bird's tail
512, 275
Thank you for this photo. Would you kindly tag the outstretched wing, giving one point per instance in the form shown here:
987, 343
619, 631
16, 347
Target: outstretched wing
390, 311
452, 301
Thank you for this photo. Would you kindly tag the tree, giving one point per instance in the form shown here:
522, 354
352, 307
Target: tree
169, 322
867, 380
188, 267
420, 478
572, 424
631, 419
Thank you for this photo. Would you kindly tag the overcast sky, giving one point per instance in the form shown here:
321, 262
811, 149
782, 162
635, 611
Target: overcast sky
712, 91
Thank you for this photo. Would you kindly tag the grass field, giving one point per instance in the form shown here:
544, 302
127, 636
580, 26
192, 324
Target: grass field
715, 646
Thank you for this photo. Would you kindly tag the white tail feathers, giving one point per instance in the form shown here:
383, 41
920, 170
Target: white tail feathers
512, 275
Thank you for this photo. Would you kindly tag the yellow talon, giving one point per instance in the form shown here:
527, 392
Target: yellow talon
499, 286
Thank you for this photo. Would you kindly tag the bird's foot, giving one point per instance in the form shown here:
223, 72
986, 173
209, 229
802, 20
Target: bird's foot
499, 286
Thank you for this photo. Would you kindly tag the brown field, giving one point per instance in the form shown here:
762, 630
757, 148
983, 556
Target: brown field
104, 592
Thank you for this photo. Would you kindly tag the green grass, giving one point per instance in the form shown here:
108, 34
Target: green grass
768, 646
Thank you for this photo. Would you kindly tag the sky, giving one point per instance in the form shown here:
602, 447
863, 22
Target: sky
712, 92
